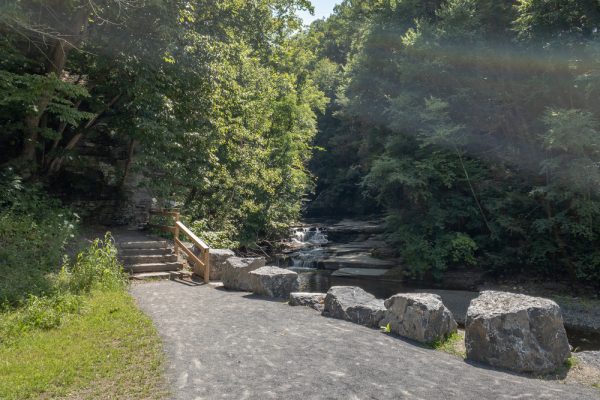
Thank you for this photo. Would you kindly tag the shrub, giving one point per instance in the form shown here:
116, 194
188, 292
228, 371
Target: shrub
33, 232
96, 267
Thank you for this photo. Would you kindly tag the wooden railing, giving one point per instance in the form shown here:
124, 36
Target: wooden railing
203, 261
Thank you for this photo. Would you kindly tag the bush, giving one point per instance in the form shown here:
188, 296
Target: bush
34, 230
221, 239
95, 268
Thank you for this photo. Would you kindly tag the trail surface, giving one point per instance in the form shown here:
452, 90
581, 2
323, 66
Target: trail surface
233, 345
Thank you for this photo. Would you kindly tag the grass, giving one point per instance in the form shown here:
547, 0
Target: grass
110, 350
571, 362
453, 344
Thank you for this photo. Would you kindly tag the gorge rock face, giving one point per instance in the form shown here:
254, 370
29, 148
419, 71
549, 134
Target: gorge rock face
517, 332
236, 272
419, 316
312, 300
273, 282
353, 304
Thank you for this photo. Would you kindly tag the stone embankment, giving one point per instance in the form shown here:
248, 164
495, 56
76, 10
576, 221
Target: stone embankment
505, 330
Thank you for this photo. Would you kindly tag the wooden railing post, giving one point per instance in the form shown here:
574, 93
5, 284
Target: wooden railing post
176, 235
206, 261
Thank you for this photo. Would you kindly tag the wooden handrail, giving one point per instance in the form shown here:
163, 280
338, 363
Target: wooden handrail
197, 241
204, 260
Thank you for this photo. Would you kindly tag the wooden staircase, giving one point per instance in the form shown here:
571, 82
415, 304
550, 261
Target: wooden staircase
148, 258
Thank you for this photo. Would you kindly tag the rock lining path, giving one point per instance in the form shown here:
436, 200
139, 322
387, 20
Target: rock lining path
234, 345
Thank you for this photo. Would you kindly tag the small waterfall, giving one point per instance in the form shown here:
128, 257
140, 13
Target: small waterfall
308, 241
309, 236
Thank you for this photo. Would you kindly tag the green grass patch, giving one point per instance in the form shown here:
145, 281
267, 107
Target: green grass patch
78, 334
453, 344
109, 350
571, 362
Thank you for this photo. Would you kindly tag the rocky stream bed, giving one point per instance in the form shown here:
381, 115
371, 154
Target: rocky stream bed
354, 253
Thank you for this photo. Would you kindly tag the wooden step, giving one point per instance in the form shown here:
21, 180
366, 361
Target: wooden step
154, 267
146, 252
146, 259
143, 244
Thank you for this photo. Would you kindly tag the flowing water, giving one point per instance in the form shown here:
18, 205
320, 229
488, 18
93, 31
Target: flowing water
316, 258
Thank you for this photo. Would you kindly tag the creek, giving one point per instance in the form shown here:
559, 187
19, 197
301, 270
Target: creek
328, 253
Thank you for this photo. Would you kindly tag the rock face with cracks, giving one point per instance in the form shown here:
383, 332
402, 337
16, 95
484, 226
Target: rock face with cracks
273, 282
419, 316
236, 272
312, 300
517, 332
353, 304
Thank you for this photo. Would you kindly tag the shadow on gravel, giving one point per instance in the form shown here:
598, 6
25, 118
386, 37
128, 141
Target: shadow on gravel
252, 296
188, 283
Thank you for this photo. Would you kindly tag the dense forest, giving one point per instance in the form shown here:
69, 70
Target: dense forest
472, 125
213, 98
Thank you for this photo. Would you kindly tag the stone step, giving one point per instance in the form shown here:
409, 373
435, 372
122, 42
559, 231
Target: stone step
143, 244
154, 267
148, 258
146, 276
145, 252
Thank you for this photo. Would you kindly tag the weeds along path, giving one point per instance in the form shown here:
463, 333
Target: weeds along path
223, 344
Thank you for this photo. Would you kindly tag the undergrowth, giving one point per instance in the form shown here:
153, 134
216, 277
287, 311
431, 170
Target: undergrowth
95, 268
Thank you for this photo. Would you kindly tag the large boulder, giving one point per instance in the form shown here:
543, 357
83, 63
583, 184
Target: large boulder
236, 272
312, 300
419, 316
353, 304
273, 282
218, 262
517, 332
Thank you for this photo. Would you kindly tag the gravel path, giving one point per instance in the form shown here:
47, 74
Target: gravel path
234, 345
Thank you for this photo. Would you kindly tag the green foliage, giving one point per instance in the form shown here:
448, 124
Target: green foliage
386, 329
215, 96
96, 268
471, 125
34, 230
222, 239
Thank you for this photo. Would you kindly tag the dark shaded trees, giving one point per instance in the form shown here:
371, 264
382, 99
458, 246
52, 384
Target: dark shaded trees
475, 130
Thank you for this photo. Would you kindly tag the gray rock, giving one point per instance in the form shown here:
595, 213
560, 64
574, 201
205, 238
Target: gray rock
273, 281
218, 262
590, 358
236, 272
360, 272
517, 332
353, 304
419, 316
313, 300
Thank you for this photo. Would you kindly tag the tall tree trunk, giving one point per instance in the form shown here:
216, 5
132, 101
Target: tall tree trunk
130, 153
56, 163
57, 59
